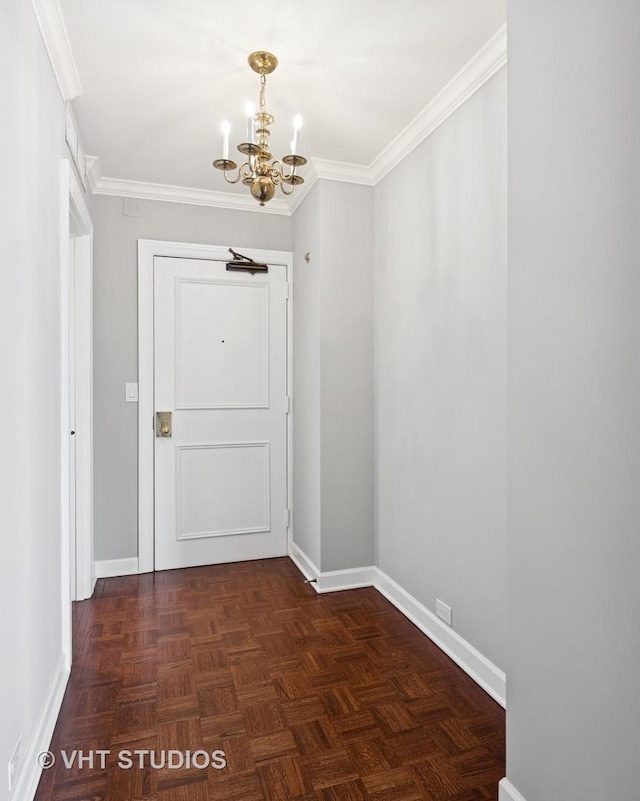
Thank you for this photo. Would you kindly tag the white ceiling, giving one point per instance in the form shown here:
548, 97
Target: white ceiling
158, 76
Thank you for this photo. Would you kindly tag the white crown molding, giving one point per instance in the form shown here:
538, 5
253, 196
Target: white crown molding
342, 171
56, 41
329, 171
483, 66
141, 190
93, 172
310, 178
471, 77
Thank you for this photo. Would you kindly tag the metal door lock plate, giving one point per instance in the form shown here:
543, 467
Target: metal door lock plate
163, 424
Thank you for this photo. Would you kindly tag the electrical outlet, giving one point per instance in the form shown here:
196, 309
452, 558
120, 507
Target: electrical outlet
12, 765
443, 611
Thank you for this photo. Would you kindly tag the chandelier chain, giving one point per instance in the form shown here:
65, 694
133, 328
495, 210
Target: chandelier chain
263, 86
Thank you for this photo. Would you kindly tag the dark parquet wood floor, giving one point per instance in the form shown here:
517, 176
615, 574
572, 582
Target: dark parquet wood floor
334, 697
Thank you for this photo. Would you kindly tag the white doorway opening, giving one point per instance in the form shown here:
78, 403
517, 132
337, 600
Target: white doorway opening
76, 416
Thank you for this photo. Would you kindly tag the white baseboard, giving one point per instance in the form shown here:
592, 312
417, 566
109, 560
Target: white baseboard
303, 563
507, 792
476, 665
116, 567
351, 579
30, 772
331, 580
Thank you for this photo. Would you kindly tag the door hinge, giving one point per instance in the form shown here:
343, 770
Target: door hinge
287, 518
286, 290
287, 404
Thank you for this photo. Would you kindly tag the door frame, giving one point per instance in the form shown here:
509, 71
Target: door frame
75, 220
148, 249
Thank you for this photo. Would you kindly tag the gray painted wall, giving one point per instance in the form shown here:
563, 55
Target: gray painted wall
32, 139
573, 723
116, 338
333, 376
440, 344
346, 296
305, 297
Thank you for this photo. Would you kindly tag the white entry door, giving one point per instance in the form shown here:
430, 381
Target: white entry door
220, 360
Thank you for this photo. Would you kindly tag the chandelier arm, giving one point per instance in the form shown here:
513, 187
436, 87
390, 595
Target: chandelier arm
283, 177
275, 172
289, 176
247, 170
286, 192
238, 174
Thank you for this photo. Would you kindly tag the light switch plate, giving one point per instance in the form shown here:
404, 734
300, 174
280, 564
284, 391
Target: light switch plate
131, 393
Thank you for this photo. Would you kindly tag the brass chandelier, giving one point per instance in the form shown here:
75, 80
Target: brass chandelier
260, 172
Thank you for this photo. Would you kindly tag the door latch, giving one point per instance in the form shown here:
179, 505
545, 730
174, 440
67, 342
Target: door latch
163, 424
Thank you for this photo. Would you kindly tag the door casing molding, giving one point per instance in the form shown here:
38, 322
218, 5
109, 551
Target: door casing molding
148, 249
75, 219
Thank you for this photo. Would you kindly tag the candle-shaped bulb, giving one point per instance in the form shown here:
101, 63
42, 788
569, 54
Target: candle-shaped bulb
250, 110
297, 124
226, 130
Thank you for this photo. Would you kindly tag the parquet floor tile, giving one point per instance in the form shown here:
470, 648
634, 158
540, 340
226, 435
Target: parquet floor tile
334, 697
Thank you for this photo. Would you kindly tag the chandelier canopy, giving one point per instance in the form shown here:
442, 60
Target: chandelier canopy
260, 172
